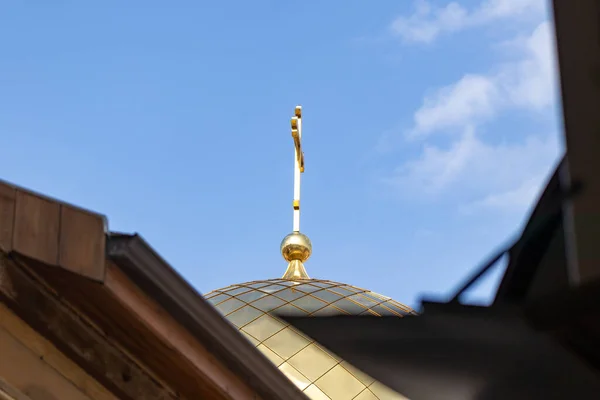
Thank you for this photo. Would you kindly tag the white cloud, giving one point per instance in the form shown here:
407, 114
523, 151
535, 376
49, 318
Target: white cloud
472, 98
475, 170
479, 174
525, 83
531, 82
519, 198
428, 22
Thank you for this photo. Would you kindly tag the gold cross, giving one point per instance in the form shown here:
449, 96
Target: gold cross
298, 163
297, 135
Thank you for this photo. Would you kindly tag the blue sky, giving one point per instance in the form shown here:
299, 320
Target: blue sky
429, 129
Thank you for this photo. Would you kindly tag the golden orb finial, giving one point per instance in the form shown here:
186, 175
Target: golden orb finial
296, 249
296, 246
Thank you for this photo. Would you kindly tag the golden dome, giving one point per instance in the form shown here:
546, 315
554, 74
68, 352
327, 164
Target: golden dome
252, 307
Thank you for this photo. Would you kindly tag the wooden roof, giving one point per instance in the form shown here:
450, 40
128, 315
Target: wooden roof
121, 312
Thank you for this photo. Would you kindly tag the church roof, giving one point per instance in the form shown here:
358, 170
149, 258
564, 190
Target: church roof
164, 340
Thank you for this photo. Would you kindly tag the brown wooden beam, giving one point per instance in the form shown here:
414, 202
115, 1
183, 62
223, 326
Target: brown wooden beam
7, 215
52, 232
577, 25
42, 355
148, 334
183, 344
87, 347
8, 392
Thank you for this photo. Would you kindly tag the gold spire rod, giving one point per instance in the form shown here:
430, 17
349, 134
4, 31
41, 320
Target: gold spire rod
296, 247
298, 163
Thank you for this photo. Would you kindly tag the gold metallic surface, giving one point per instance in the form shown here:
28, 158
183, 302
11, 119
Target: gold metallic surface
295, 270
299, 152
296, 246
297, 135
254, 307
296, 249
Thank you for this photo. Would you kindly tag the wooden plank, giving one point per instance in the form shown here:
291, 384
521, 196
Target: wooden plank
9, 392
180, 340
578, 39
116, 319
44, 350
7, 215
79, 341
31, 375
82, 242
36, 228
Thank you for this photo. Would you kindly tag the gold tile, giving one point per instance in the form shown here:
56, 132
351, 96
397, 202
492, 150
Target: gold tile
322, 284
314, 393
366, 395
250, 296
250, 338
312, 362
343, 290
370, 313
349, 306
290, 294
285, 282
364, 300
289, 310
404, 308
263, 327
244, 315
383, 311
274, 358
229, 305
328, 311
393, 308
286, 343
257, 284
385, 393
293, 375
339, 384
327, 296
218, 298
358, 374
307, 287
380, 296
268, 303
309, 303
374, 296
237, 290
272, 288
333, 355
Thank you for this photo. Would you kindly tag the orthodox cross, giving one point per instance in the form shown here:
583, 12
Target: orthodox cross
298, 163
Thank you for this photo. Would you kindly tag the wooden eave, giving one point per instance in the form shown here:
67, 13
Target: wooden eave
123, 293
